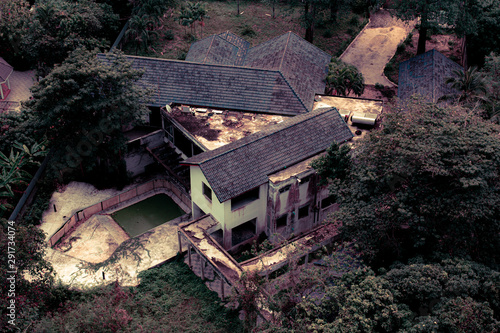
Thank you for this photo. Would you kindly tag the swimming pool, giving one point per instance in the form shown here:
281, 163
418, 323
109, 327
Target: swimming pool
147, 214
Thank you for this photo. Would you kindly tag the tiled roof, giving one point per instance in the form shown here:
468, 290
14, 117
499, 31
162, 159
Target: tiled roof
245, 164
5, 70
217, 86
426, 75
303, 65
225, 48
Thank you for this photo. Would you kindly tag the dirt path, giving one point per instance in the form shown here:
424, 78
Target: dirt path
376, 45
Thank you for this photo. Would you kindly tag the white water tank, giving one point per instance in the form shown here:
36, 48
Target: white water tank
364, 118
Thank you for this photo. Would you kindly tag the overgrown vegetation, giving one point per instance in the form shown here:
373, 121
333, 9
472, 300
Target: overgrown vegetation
255, 24
169, 298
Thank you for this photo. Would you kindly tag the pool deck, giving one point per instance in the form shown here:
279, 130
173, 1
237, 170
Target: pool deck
98, 253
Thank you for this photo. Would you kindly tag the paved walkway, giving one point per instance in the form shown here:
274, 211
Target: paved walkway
372, 49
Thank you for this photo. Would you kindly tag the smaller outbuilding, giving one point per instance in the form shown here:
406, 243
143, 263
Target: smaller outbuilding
426, 75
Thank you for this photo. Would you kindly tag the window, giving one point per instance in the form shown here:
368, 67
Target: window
305, 179
304, 211
244, 232
207, 191
281, 221
244, 199
285, 188
328, 201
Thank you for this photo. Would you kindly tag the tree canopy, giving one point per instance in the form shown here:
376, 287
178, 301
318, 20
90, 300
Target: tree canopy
426, 182
344, 79
432, 14
81, 107
47, 32
448, 296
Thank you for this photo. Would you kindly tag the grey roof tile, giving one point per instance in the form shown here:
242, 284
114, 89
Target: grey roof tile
217, 86
425, 75
245, 164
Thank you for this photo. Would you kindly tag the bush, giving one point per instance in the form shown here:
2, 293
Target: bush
354, 21
248, 31
328, 34
169, 35
181, 55
401, 48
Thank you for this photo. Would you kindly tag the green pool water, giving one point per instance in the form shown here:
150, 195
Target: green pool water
147, 214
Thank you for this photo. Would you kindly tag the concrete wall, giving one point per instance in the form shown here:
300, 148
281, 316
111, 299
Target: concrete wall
137, 157
222, 212
288, 202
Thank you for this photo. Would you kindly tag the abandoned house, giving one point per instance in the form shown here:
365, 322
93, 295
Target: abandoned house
239, 128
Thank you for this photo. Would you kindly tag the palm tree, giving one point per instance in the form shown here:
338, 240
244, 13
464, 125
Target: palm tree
140, 30
343, 79
470, 84
185, 17
12, 173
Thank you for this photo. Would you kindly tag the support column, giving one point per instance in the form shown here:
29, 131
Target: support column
221, 288
202, 268
180, 241
189, 256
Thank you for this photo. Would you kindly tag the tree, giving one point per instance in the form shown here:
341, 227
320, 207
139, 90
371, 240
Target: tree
491, 74
13, 173
58, 27
29, 294
81, 107
334, 164
343, 79
482, 35
140, 31
426, 181
14, 18
468, 83
446, 296
432, 13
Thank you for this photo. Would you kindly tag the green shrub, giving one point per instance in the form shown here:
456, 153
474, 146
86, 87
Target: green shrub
181, 55
248, 31
328, 34
169, 35
401, 48
354, 21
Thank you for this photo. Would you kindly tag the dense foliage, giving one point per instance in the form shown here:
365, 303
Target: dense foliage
28, 295
169, 299
344, 79
47, 32
82, 107
449, 296
427, 181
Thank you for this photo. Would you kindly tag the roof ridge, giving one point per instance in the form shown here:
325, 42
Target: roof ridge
293, 91
311, 44
201, 64
309, 116
284, 50
209, 47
